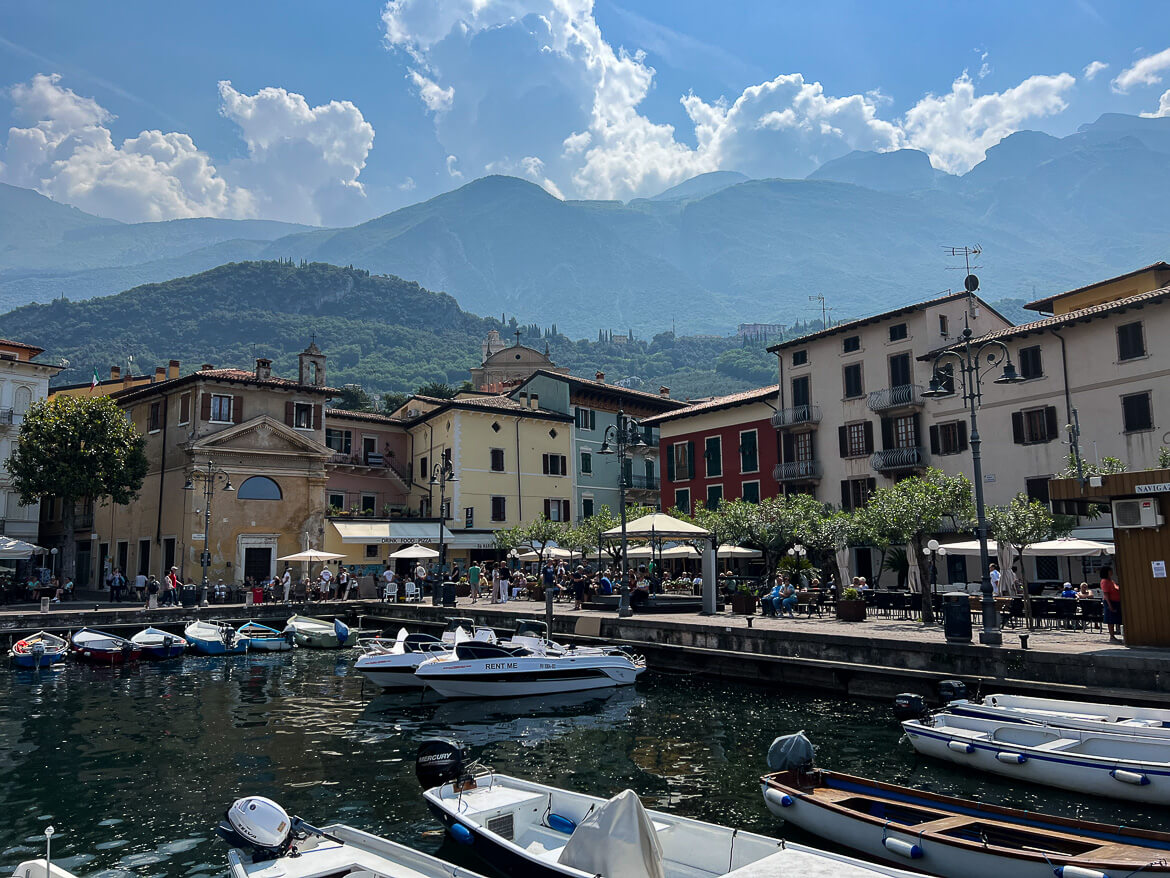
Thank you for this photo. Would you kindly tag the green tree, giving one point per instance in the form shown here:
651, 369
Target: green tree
509, 538
1019, 523
77, 448
437, 390
353, 399
392, 401
541, 533
769, 526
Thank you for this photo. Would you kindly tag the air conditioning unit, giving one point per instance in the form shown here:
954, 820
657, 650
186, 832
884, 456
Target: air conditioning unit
1136, 513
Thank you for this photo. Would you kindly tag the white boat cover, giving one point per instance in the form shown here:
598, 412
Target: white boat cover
617, 841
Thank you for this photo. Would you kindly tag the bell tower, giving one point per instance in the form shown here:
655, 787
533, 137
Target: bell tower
312, 365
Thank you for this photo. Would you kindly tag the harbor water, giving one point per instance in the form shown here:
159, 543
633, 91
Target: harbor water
134, 766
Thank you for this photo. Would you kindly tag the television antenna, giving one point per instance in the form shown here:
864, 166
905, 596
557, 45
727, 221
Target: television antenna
819, 297
971, 281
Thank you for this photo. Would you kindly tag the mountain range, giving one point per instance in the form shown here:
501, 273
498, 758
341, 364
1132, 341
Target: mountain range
867, 230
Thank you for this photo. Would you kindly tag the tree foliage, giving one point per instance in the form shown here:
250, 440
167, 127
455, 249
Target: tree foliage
1019, 523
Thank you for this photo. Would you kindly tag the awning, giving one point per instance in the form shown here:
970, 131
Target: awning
1068, 548
11, 548
391, 532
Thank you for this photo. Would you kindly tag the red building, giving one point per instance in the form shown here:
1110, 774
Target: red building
722, 449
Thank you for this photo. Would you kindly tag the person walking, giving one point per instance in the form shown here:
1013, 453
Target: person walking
152, 589
420, 577
171, 598
577, 580
326, 583
117, 583
1111, 601
286, 582
140, 586
473, 580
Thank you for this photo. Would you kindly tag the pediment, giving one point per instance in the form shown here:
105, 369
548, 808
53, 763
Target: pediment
263, 435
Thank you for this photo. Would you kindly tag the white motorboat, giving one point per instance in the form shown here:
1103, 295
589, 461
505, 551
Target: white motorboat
1103, 764
1114, 718
526, 665
391, 664
318, 633
530, 830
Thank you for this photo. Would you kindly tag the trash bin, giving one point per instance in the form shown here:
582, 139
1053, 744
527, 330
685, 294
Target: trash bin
956, 611
189, 595
449, 590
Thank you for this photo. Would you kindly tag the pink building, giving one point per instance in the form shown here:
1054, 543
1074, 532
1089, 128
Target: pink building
370, 468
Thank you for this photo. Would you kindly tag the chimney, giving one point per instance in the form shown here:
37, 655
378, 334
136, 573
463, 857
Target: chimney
206, 367
160, 374
127, 380
173, 369
664, 392
263, 368
115, 373
600, 376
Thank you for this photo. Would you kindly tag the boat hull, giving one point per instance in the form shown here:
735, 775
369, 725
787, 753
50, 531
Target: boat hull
107, 656
317, 640
392, 671
1116, 722
525, 676
28, 660
160, 653
216, 647
503, 858
269, 644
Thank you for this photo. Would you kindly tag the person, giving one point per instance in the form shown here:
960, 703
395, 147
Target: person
140, 586
116, 585
1068, 591
352, 583
1111, 596
172, 587
384, 584
789, 599
219, 593
152, 590
697, 583
770, 602
286, 582
326, 580
605, 584
640, 593
420, 576
473, 580
864, 586
67, 589
1084, 593
577, 581
548, 577
498, 586
342, 582
519, 583
994, 574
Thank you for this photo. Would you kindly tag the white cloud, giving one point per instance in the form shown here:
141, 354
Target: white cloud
1093, 68
1144, 71
407, 185
453, 171
435, 97
1163, 107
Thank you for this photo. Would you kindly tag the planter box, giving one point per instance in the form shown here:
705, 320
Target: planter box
743, 604
851, 611
463, 589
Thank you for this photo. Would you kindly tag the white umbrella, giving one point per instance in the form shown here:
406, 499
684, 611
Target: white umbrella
679, 552
1069, 548
659, 526
970, 547
313, 556
640, 552
414, 551
11, 549
842, 557
729, 551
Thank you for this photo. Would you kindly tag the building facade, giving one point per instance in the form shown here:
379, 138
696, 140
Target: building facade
504, 367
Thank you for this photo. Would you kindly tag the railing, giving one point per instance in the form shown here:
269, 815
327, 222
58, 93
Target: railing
897, 458
895, 397
644, 483
797, 471
371, 460
796, 415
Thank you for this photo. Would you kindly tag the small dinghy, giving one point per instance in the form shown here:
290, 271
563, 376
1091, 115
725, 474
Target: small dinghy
38, 650
158, 644
214, 638
102, 648
528, 829
1114, 718
319, 633
391, 664
1103, 764
261, 638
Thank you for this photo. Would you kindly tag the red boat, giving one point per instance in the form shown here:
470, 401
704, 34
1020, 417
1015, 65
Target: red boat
102, 648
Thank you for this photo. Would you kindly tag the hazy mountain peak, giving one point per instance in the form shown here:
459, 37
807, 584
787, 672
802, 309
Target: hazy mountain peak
901, 170
703, 184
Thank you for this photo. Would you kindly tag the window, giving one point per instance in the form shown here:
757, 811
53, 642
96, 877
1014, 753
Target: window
499, 508
556, 510
586, 463
340, 441
802, 447
337, 501
586, 419
949, 438
21, 400
751, 492
221, 408
143, 557
586, 507
944, 326
682, 500
680, 464
713, 455
1037, 488
856, 440
905, 430
423, 474
1033, 426
555, 464
369, 502
714, 496
900, 370
372, 550
1130, 341
258, 488
855, 493
799, 358
749, 457
303, 415
1136, 413
801, 392
497, 460
155, 417
853, 384
185, 408
851, 343
1031, 365
898, 332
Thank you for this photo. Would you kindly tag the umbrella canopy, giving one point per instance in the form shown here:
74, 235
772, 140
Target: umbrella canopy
971, 547
842, 558
729, 551
913, 572
1069, 548
313, 556
659, 526
414, 551
679, 552
640, 552
11, 549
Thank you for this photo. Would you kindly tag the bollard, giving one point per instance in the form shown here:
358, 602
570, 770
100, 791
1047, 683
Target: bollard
1023, 641
749, 621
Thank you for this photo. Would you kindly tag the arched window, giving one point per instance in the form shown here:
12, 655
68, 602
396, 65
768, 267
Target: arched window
259, 488
22, 400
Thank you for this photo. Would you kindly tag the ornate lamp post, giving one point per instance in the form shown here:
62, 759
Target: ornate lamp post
933, 551
207, 475
974, 362
797, 553
442, 473
619, 438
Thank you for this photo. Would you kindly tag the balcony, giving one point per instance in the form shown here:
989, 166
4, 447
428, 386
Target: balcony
796, 416
902, 396
643, 483
368, 461
797, 471
6, 419
894, 459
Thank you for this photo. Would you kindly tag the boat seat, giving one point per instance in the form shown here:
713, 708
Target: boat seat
675, 869
1058, 744
940, 825
545, 844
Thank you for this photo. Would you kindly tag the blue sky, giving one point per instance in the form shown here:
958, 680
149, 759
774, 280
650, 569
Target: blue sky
339, 112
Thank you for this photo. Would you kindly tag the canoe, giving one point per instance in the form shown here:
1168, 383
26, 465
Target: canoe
261, 638
213, 638
38, 650
957, 838
158, 644
318, 633
1127, 767
102, 648
1119, 718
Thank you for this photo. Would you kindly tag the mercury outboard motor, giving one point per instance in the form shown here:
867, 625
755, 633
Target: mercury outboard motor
438, 762
262, 827
909, 706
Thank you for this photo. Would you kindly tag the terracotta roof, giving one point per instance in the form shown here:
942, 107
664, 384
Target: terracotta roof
878, 318
719, 402
641, 396
1045, 304
19, 344
371, 417
502, 404
228, 376
1081, 315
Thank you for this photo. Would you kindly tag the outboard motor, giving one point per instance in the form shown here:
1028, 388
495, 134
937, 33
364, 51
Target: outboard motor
791, 753
951, 690
909, 706
258, 825
438, 762
38, 650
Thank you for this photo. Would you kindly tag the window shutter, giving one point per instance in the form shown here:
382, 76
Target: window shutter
544, 464
962, 435
934, 439
917, 420
691, 459
670, 464
564, 510
1018, 427
869, 437
887, 433
1050, 423
237, 409
789, 447
205, 407
290, 409
185, 408
845, 497
843, 439
592, 419
547, 509
317, 417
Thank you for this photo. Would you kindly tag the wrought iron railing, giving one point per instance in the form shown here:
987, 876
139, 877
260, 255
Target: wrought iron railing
895, 397
797, 471
643, 483
897, 458
796, 415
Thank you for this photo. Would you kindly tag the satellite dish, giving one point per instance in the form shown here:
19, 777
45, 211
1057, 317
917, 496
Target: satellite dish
971, 283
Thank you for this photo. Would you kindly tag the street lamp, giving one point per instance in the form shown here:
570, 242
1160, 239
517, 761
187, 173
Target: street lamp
53, 561
797, 552
974, 362
625, 434
207, 475
933, 551
441, 474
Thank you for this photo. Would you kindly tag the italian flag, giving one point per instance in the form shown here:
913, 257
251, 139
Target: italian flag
94, 383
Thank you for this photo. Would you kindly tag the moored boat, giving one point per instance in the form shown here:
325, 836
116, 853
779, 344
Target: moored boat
158, 644
261, 638
1117, 718
103, 648
214, 638
1103, 764
38, 650
391, 664
319, 633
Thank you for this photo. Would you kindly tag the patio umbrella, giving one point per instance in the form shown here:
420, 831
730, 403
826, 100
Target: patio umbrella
729, 551
913, 572
414, 551
1004, 555
12, 549
659, 526
1069, 548
970, 547
679, 552
313, 556
640, 552
843, 578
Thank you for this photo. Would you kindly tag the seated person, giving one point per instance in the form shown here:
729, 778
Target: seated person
1068, 591
770, 602
605, 584
788, 599
1084, 592
640, 595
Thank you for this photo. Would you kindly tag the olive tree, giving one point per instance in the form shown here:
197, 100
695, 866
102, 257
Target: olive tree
1020, 523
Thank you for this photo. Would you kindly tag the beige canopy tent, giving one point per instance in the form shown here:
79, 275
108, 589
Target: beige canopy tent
658, 526
415, 552
683, 551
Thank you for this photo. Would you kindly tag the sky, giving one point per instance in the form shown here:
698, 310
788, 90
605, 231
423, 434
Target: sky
334, 113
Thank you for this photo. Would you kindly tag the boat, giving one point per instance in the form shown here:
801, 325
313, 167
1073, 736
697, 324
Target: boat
261, 638
102, 648
319, 633
1100, 763
38, 650
527, 829
158, 644
958, 838
391, 664
1118, 718
214, 638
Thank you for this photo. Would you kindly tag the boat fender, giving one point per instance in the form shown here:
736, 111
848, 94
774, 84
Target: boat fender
782, 799
902, 848
1078, 872
1011, 758
461, 833
1134, 777
561, 824
20, 644
960, 747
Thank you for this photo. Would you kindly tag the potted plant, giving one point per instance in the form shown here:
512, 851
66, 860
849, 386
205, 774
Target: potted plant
851, 606
743, 601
